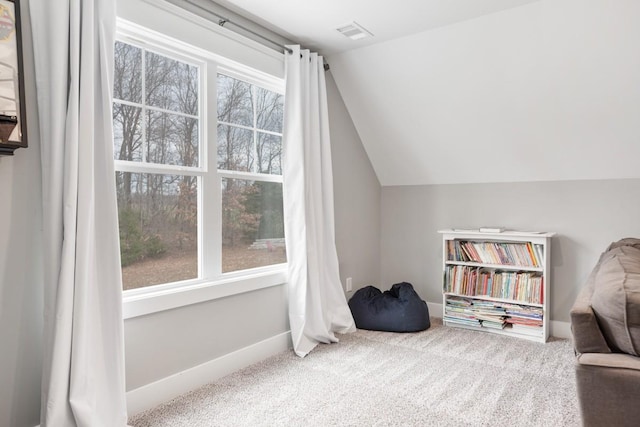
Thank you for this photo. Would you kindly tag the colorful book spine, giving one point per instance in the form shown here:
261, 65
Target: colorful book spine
509, 285
494, 253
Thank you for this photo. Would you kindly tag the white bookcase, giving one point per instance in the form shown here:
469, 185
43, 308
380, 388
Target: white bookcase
497, 282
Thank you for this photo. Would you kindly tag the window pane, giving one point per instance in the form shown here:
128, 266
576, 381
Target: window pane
127, 132
158, 228
252, 224
172, 139
269, 150
127, 84
170, 84
235, 104
269, 110
235, 148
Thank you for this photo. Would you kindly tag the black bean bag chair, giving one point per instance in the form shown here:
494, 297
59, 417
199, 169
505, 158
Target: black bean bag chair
399, 309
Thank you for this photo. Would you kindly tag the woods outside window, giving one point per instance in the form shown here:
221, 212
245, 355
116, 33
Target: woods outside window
199, 196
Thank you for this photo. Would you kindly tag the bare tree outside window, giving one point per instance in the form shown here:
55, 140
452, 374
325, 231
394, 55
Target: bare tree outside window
250, 140
157, 212
160, 175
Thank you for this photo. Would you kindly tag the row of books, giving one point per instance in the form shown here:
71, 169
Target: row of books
520, 254
493, 315
477, 281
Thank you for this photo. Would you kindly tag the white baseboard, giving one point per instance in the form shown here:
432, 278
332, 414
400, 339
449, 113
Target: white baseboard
560, 329
151, 395
435, 309
557, 328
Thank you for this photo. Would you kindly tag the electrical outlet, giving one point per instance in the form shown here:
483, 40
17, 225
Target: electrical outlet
349, 284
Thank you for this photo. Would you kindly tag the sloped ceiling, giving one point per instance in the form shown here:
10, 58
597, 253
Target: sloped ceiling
548, 90
313, 23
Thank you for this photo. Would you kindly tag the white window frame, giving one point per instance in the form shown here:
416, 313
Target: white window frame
211, 282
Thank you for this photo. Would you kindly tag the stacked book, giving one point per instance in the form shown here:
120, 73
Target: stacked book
460, 311
490, 315
493, 315
525, 320
474, 313
523, 254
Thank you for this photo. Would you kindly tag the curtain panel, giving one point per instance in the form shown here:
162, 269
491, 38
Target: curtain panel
317, 304
83, 372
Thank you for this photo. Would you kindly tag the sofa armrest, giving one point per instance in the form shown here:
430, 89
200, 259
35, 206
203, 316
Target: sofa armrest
587, 336
613, 360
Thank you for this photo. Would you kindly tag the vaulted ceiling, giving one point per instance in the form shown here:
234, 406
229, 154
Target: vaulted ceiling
461, 91
313, 23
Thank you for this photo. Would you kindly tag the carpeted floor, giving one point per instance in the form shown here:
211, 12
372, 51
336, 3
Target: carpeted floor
439, 377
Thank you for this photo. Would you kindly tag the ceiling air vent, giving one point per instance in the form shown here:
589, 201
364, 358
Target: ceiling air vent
354, 31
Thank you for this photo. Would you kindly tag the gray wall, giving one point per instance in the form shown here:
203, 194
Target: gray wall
356, 195
164, 343
586, 215
21, 282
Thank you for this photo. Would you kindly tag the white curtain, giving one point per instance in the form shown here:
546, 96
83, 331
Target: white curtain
317, 305
83, 372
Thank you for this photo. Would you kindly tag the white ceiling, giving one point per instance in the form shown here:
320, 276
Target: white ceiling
313, 23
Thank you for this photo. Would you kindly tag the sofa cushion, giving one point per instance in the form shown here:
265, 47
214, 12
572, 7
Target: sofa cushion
616, 296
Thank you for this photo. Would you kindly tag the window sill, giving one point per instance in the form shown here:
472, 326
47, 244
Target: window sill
143, 303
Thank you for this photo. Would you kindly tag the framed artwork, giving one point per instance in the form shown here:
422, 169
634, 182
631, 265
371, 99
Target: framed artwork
12, 108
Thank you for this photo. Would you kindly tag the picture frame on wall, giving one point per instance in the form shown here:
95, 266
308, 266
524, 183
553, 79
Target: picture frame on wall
12, 109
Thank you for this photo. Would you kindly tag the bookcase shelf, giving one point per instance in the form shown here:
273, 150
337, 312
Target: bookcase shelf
497, 282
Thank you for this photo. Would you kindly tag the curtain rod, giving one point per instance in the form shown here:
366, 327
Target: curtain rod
222, 20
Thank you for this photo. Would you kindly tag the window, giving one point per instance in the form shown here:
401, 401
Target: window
250, 141
198, 198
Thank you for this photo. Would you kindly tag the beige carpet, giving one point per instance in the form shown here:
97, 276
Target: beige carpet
439, 377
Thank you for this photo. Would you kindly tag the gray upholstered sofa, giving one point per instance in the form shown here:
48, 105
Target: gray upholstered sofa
605, 322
